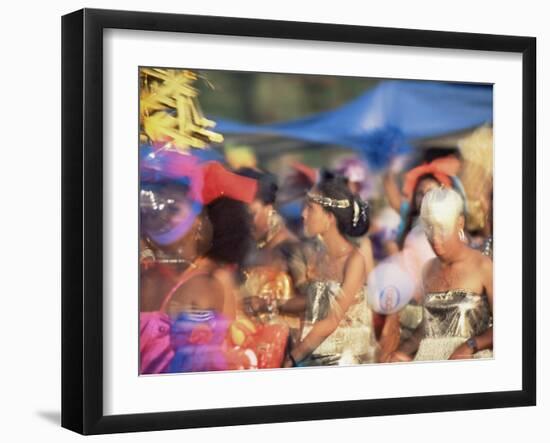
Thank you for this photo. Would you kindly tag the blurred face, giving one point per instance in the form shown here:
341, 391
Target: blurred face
260, 218
424, 186
354, 187
168, 217
197, 240
316, 219
443, 236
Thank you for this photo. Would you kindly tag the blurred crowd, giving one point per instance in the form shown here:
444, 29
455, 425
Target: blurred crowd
243, 267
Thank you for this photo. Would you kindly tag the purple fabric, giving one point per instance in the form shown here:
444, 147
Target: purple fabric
190, 342
197, 339
155, 349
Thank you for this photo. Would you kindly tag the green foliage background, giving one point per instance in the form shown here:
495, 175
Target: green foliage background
266, 98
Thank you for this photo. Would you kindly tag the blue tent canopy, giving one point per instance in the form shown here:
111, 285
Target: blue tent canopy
383, 121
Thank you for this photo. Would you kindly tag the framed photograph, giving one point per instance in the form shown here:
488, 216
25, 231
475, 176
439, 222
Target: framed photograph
269, 221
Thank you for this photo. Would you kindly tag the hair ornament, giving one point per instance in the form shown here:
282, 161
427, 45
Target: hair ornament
356, 213
328, 202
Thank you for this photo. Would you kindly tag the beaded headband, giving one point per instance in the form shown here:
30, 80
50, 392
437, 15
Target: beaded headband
328, 202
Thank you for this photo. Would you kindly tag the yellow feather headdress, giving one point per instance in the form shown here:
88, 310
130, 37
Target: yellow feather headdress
170, 111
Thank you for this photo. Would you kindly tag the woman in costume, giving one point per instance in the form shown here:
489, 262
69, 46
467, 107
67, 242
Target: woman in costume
204, 302
270, 297
208, 233
269, 269
269, 228
360, 183
195, 225
338, 326
457, 288
186, 205
415, 249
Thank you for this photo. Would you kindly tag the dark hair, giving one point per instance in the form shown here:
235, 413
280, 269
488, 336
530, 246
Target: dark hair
433, 153
231, 231
414, 211
267, 184
336, 187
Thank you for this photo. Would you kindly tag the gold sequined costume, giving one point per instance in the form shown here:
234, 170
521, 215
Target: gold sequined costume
449, 319
273, 285
353, 342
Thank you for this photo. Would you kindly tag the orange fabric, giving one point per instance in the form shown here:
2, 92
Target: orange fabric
219, 182
442, 169
306, 171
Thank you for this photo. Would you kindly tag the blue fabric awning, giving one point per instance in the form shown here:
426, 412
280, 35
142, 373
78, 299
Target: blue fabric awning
383, 121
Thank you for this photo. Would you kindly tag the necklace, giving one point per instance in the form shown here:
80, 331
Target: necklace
176, 261
271, 234
163, 258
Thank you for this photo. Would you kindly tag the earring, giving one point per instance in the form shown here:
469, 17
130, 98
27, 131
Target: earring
274, 223
147, 254
273, 219
461, 235
198, 231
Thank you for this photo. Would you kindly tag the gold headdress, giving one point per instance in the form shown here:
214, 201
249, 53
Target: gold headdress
170, 111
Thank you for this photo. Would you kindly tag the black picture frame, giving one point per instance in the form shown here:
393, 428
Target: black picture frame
82, 218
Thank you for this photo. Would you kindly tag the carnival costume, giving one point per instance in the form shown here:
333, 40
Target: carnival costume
353, 341
188, 340
450, 318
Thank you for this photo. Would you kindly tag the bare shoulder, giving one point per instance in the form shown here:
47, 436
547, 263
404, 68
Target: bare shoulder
480, 261
224, 275
365, 244
199, 292
201, 283
355, 260
486, 264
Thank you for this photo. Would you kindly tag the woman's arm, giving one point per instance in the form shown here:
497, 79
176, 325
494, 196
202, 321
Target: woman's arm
354, 279
407, 349
410, 346
389, 337
484, 340
295, 305
392, 191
